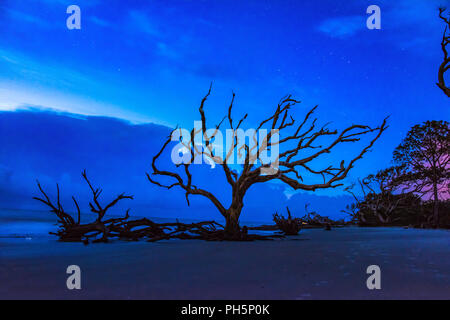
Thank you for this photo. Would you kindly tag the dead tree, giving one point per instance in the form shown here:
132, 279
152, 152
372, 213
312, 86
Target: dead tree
312, 218
102, 230
289, 166
290, 226
445, 65
72, 230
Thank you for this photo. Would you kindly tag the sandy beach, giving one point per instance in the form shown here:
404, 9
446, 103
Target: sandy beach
317, 264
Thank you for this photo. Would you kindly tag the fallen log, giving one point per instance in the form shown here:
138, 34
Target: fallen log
101, 230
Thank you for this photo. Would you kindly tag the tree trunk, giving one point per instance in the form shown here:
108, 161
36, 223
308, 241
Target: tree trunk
232, 228
436, 206
436, 196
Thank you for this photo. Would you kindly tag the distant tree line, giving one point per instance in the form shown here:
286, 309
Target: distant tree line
415, 190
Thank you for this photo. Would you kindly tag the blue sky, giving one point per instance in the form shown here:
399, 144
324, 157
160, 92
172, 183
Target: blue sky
152, 61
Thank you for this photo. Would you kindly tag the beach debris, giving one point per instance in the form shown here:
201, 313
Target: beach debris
290, 226
103, 230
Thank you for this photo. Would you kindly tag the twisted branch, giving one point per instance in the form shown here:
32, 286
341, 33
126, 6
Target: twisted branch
289, 165
445, 65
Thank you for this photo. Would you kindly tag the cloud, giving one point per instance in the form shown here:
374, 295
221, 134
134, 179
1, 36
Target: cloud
27, 18
100, 22
143, 23
342, 27
38, 14
80, 3
403, 16
40, 72
15, 97
54, 86
164, 50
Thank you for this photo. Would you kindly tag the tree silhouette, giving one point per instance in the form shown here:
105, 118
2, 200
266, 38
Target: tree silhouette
425, 155
289, 167
384, 197
71, 230
291, 226
445, 65
102, 230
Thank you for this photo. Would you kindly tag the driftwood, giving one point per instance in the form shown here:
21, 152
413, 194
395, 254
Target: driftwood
71, 230
314, 220
290, 226
102, 230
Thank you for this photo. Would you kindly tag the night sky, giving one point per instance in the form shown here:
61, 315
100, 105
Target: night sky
152, 62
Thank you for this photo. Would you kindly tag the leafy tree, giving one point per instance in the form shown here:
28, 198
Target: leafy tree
425, 155
384, 199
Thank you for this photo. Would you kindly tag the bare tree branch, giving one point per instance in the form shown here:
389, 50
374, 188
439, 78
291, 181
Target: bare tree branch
445, 65
287, 167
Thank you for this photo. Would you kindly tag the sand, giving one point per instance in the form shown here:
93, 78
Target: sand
317, 264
